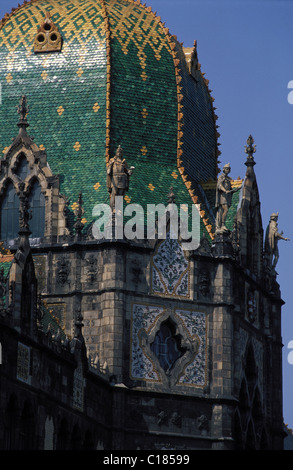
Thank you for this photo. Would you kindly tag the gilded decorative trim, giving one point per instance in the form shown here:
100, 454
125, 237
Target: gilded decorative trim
5, 257
66, 25
212, 184
188, 183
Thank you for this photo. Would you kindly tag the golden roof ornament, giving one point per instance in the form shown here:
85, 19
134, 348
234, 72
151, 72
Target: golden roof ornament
48, 38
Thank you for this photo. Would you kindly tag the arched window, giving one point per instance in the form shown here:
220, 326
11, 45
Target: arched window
9, 214
37, 209
22, 169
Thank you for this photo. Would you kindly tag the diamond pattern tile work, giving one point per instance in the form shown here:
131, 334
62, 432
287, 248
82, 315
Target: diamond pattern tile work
62, 89
144, 98
70, 94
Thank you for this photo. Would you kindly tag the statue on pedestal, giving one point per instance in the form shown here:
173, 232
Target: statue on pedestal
224, 193
271, 241
118, 174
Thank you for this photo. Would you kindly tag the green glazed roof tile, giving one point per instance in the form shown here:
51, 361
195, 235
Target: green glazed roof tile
69, 99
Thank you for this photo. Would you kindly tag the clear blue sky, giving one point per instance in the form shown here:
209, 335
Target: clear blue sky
246, 52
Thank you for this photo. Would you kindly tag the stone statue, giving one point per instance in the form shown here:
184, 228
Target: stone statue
224, 193
118, 174
271, 241
24, 208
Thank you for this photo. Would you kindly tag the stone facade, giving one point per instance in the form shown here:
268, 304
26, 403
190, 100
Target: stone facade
221, 390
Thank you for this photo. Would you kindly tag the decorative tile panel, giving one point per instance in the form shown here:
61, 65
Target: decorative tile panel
170, 269
145, 322
196, 372
143, 318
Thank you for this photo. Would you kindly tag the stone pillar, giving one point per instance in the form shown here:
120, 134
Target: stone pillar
111, 331
222, 345
221, 427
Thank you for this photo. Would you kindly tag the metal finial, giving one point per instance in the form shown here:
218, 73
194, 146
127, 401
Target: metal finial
250, 149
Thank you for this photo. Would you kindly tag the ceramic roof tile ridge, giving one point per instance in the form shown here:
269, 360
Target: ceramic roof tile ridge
108, 92
14, 10
217, 134
212, 99
169, 43
194, 192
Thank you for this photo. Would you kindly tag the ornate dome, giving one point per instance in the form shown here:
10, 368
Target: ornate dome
106, 73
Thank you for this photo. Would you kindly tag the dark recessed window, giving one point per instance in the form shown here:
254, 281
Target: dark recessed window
167, 345
9, 214
37, 209
9, 206
22, 168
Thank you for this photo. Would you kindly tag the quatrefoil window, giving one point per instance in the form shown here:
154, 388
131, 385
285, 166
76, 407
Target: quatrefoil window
167, 345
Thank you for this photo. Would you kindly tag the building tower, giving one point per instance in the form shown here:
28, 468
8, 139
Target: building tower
129, 340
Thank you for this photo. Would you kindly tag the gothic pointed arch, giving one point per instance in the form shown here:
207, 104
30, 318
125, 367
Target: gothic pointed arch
9, 206
21, 166
250, 410
25, 163
37, 204
250, 441
237, 431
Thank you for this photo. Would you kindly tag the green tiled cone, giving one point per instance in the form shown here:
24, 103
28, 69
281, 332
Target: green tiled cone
68, 97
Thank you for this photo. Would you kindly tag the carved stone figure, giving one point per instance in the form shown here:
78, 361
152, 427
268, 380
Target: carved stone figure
204, 282
203, 424
92, 269
251, 306
271, 241
63, 271
224, 193
24, 212
118, 174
